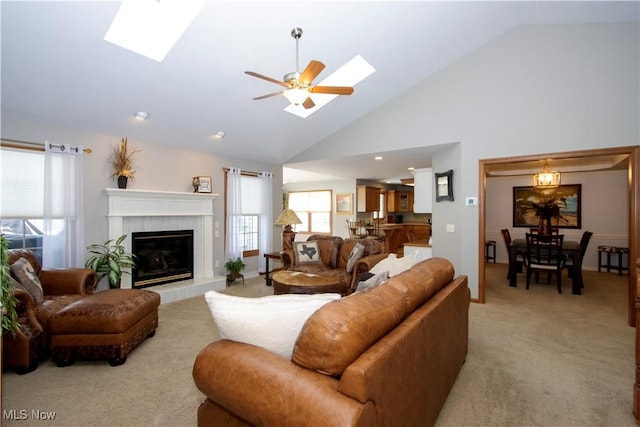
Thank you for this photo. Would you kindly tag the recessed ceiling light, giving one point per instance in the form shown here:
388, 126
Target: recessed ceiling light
219, 135
151, 28
142, 115
378, 157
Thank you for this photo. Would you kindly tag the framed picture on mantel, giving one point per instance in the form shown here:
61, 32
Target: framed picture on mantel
201, 184
444, 186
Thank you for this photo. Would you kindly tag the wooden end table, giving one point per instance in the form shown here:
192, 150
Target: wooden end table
267, 275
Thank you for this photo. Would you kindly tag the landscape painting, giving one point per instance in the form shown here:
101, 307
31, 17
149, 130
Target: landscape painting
563, 203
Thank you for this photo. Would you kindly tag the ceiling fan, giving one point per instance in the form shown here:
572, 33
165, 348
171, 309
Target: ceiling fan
299, 85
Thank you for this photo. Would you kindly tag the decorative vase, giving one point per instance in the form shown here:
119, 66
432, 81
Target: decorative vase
122, 181
544, 226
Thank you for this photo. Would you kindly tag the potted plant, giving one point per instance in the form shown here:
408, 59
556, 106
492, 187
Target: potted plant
122, 163
8, 309
234, 268
110, 259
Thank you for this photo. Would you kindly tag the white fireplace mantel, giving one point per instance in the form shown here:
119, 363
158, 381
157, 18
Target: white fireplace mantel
128, 209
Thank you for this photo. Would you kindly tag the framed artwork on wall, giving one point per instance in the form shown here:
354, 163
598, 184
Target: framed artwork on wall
444, 186
344, 204
562, 204
201, 184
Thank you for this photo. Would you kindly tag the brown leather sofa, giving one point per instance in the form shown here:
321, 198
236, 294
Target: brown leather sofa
23, 350
386, 356
334, 256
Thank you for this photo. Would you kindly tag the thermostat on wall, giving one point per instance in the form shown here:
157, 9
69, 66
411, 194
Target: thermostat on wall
472, 201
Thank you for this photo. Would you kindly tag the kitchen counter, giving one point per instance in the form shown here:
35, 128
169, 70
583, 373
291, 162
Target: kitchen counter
423, 243
396, 235
422, 247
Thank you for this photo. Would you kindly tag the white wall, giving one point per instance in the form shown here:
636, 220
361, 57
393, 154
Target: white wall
157, 167
605, 211
533, 90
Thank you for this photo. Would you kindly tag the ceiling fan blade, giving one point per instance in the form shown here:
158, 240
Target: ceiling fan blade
267, 96
269, 79
308, 103
335, 90
311, 72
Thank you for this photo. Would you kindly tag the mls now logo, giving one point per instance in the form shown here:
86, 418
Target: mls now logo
23, 414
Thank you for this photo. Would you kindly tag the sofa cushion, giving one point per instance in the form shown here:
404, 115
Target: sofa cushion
272, 322
371, 246
329, 247
336, 335
25, 274
306, 252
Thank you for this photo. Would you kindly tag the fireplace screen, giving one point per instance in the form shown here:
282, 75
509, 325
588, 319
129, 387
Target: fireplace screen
162, 257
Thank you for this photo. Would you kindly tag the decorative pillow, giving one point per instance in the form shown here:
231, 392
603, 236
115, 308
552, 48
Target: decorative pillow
272, 322
307, 252
26, 275
356, 253
394, 265
373, 281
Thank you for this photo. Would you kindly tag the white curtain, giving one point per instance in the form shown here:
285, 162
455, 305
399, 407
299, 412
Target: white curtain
234, 214
265, 218
63, 242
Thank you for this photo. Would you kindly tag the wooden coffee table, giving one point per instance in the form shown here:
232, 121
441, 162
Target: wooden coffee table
295, 282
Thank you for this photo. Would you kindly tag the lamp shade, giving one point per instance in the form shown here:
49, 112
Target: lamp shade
287, 217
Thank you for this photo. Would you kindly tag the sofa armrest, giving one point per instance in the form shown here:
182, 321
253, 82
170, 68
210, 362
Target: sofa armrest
264, 388
68, 281
26, 311
287, 259
363, 265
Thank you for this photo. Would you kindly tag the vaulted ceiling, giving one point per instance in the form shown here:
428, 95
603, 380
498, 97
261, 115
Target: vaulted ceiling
58, 69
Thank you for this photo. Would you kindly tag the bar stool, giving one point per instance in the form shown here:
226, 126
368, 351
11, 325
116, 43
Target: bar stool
608, 250
490, 251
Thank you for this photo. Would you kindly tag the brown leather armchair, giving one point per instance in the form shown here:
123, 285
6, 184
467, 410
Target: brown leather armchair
27, 346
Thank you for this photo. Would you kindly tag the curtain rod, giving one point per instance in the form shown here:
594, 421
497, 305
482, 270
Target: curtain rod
37, 146
242, 172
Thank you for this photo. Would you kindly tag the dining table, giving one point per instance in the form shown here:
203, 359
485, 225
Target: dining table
569, 247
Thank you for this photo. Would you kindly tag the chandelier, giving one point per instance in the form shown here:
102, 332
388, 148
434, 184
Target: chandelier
546, 178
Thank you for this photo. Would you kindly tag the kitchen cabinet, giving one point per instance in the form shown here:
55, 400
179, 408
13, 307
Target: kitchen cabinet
423, 190
368, 198
399, 201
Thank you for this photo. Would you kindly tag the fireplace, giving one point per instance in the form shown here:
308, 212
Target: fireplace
162, 257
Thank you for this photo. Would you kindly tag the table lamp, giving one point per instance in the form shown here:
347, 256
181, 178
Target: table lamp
286, 218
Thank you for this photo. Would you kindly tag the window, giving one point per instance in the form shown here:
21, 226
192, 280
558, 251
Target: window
22, 191
250, 189
314, 210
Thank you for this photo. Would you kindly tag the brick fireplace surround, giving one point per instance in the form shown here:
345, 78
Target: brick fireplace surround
131, 211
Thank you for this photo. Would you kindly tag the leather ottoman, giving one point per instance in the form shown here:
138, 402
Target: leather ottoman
105, 325
295, 282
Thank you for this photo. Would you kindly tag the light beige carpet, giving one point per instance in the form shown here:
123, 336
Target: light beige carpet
536, 358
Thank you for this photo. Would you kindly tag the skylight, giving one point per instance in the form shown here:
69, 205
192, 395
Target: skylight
350, 74
151, 27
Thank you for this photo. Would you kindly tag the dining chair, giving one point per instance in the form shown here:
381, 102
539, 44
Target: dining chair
544, 255
506, 236
584, 242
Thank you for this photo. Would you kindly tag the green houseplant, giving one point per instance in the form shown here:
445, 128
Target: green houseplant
234, 267
110, 259
8, 302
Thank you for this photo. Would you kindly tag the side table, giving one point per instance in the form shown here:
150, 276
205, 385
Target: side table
267, 276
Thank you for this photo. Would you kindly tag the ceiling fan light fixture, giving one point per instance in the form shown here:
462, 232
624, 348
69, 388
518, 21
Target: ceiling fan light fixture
296, 96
